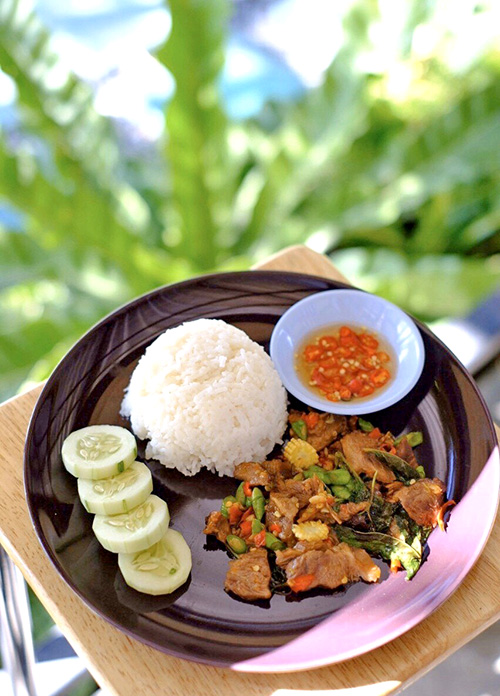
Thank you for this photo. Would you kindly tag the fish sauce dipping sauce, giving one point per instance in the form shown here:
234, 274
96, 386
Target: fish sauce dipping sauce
383, 330
343, 363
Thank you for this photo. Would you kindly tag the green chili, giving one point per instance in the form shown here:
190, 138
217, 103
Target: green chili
300, 429
258, 503
236, 544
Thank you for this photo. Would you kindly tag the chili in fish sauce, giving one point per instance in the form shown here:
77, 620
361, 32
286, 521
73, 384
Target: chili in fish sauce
346, 363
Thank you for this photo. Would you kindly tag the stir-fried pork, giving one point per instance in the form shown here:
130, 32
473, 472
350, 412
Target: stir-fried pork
422, 500
281, 511
328, 427
405, 451
306, 512
347, 510
283, 558
301, 490
217, 525
353, 446
253, 472
249, 576
333, 567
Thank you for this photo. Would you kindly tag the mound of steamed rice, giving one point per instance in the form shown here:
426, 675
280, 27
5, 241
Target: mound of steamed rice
205, 395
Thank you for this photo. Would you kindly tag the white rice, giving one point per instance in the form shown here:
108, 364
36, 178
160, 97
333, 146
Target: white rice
205, 395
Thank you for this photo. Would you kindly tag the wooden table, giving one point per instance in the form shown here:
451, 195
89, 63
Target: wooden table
126, 667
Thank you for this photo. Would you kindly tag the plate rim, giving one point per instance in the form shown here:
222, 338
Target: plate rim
248, 665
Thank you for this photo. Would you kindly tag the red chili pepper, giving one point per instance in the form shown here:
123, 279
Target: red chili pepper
328, 342
275, 528
301, 582
345, 393
260, 538
379, 377
336, 365
234, 513
247, 490
375, 434
312, 353
249, 511
246, 528
368, 341
355, 385
441, 513
311, 420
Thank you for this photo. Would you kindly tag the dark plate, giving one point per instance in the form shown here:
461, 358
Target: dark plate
200, 621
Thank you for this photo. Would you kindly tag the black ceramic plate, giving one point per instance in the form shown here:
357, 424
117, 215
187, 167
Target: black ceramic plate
200, 621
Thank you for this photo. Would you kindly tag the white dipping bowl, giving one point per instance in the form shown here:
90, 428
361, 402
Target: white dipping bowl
357, 309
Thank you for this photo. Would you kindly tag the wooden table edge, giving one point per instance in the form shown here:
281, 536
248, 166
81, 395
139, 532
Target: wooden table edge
292, 259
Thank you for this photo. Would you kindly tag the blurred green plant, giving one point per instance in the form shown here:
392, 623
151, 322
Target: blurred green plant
391, 165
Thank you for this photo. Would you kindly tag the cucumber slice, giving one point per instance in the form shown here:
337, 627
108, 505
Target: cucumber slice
98, 451
160, 569
135, 530
116, 494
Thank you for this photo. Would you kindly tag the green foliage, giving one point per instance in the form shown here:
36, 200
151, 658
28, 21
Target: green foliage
390, 165
197, 127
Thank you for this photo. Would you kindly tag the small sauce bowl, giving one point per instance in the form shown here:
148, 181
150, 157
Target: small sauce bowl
356, 309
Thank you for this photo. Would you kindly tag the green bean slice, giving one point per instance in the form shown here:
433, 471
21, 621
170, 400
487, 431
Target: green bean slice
223, 508
257, 527
258, 503
241, 497
414, 438
299, 427
273, 543
365, 425
236, 544
339, 477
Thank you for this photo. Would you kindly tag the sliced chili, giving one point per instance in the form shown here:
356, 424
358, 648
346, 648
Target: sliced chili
260, 538
234, 513
301, 582
246, 528
346, 365
311, 419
